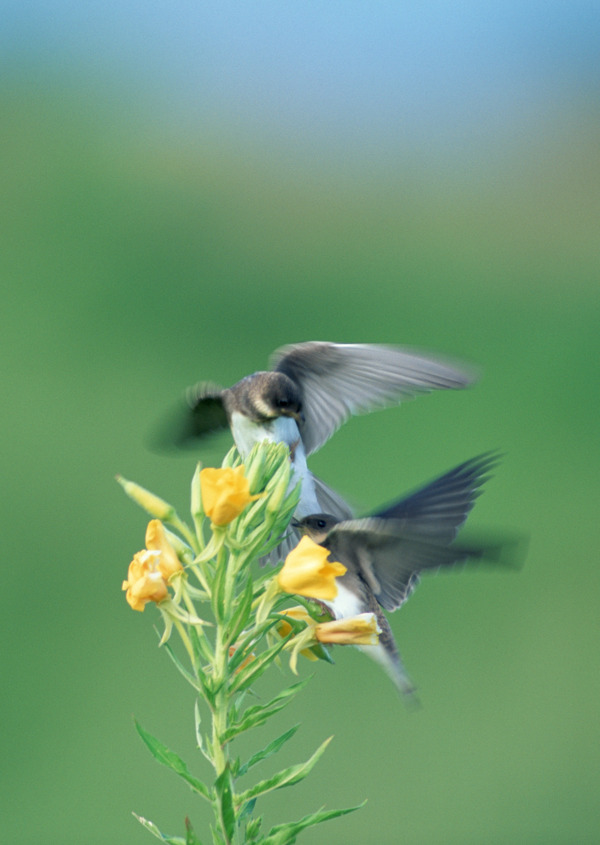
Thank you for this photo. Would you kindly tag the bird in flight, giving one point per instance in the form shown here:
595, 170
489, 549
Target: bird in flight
310, 390
385, 553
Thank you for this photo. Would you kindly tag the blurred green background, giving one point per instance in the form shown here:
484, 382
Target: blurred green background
186, 188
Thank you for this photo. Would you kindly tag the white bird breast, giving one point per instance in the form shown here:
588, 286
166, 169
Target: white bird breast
280, 430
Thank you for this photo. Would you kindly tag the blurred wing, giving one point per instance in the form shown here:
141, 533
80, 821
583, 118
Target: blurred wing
390, 562
337, 380
437, 510
199, 414
330, 501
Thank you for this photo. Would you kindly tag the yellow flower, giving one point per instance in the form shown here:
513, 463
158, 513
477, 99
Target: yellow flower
225, 493
144, 580
354, 630
307, 572
151, 568
156, 541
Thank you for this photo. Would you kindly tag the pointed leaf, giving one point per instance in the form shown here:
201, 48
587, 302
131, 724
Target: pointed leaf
259, 713
224, 790
282, 834
242, 613
251, 673
271, 748
286, 777
190, 835
171, 840
218, 593
168, 758
181, 668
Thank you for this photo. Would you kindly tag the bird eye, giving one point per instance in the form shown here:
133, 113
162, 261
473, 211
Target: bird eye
282, 403
321, 523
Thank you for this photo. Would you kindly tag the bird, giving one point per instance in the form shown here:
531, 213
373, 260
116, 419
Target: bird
310, 390
385, 553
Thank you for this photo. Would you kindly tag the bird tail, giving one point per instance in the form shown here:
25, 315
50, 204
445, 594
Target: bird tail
394, 669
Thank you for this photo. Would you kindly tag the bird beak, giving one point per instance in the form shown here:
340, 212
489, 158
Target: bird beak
295, 415
295, 524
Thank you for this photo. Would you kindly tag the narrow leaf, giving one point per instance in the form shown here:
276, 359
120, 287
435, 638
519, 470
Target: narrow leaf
286, 777
190, 834
247, 676
181, 668
218, 593
259, 713
168, 758
224, 789
242, 612
282, 834
171, 840
271, 748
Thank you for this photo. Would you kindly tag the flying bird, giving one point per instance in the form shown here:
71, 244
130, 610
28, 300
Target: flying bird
310, 390
385, 553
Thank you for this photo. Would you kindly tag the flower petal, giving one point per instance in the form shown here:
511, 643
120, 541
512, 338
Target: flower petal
307, 572
225, 493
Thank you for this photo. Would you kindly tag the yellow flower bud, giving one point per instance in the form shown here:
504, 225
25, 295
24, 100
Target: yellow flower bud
354, 630
225, 493
307, 572
152, 504
144, 580
156, 540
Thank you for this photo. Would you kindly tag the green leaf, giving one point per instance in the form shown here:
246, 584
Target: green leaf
218, 592
190, 835
271, 748
181, 668
253, 829
286, 777
199, 738
168, 758
224, 790
171, 840
242, 612
284, 834
245, 677
259, 713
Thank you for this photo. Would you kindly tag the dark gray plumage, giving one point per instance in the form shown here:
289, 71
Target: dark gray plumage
385, 553
310, 391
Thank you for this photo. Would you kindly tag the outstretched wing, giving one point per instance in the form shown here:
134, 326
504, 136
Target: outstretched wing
390, 562
200, 413
337, 380
437, 510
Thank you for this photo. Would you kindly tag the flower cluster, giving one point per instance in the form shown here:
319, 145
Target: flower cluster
240, 513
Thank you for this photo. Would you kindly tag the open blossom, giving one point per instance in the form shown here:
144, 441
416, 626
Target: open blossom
307, 572
144, 581
151, 568
225, 493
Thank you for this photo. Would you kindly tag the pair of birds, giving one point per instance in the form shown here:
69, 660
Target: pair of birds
311, 389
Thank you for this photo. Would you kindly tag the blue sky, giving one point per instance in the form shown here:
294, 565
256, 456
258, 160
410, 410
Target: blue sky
357, 76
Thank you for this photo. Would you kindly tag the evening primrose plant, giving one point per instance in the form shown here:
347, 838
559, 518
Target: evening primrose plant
235, 623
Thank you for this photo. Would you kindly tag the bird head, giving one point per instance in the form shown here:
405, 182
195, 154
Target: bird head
316, 526
275, 395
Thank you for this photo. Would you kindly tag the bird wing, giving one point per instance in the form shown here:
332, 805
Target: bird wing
198, 414
437, 510
388, 560
331, 502
337, 380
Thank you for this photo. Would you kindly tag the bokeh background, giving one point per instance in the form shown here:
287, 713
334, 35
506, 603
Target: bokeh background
188, 186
